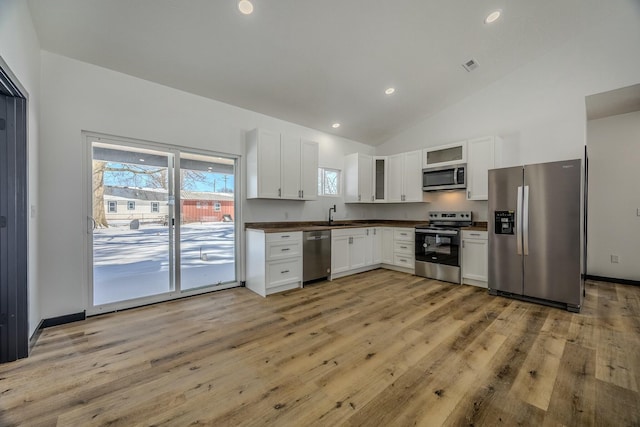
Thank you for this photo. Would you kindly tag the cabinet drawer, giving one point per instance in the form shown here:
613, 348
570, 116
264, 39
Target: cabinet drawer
474, 234
295, 236
347, 231
280, 250
403, 260
404, 234
281, 272
403, 248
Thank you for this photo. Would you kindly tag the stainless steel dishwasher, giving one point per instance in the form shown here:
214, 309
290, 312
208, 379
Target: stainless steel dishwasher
316, 254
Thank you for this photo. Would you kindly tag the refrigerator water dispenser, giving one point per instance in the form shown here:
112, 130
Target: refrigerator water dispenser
504, 222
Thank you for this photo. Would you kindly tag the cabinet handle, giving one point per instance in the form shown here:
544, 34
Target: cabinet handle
403, 247
463, 244
474, 234
285, 236
468, 194
279, 192
284, 271
359, 197
367, 232
302, 194
284, 249
375, 231
372, 199
350, 240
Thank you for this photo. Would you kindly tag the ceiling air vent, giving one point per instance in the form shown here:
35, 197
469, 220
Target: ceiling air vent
470, 65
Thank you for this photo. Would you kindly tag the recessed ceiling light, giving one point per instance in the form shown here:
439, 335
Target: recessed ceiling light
390, 90
493, 16
245, 7
335, 125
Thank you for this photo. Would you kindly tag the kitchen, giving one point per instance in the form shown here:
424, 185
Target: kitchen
538, 110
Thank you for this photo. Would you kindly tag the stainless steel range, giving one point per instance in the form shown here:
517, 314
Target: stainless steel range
438, 245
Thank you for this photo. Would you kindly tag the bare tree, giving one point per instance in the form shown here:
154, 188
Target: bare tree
99, 216
127, 174
156, 178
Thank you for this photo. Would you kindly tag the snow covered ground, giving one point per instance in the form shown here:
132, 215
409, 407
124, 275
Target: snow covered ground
135, 263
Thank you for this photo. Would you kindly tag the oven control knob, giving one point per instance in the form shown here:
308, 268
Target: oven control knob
424, 245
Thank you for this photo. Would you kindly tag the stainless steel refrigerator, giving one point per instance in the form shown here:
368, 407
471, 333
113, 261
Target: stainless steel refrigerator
535, 229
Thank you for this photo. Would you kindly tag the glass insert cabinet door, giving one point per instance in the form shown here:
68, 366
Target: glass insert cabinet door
163, 222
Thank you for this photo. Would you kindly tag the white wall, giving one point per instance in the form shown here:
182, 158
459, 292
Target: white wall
539, 109
20, 50
454, 200
77, 96
614, 198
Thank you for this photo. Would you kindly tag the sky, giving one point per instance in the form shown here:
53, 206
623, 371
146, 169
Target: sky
198, 181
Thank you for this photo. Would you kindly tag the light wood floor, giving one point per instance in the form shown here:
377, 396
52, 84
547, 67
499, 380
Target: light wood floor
379, 348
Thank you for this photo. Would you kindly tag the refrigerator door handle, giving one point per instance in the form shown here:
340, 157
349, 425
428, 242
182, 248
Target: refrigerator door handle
525, 220
519, 222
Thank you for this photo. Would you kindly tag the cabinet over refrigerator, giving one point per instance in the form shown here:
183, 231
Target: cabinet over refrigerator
536, 233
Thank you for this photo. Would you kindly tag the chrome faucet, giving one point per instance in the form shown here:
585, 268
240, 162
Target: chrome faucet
333, 208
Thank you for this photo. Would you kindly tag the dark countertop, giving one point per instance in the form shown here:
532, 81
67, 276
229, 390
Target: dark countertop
478, 226
278, 227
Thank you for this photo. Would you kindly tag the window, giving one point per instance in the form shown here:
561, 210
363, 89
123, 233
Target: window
113, 207
131, 206
328, 182
155, 207
217, 206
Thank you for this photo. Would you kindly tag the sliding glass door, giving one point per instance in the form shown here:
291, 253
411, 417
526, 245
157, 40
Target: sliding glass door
207, 220
162, 222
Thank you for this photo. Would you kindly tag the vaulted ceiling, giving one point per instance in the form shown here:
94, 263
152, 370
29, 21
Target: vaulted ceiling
316, 62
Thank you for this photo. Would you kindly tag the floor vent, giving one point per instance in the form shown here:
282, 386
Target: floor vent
470, 65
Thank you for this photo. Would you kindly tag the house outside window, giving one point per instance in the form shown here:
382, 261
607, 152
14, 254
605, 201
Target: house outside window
112, 207
328, 182
217, 206
155, 207
131, 206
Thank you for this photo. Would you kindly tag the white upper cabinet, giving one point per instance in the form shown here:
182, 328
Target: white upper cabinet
404, 182
413, 176
263, 164
358, 178
380, 170
281, 166
290, 147
445, 155
483, 154
309, 169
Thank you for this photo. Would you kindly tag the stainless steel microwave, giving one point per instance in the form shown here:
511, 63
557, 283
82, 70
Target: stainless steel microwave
444, 178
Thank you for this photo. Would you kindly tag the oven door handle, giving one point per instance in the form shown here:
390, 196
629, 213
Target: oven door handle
440, 232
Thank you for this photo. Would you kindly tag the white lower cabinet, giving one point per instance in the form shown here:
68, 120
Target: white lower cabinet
387, 245
375, 240
354, 250
403, 248
475, 250
274, 261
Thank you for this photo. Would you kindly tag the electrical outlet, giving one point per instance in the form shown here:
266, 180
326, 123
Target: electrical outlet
615, 259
